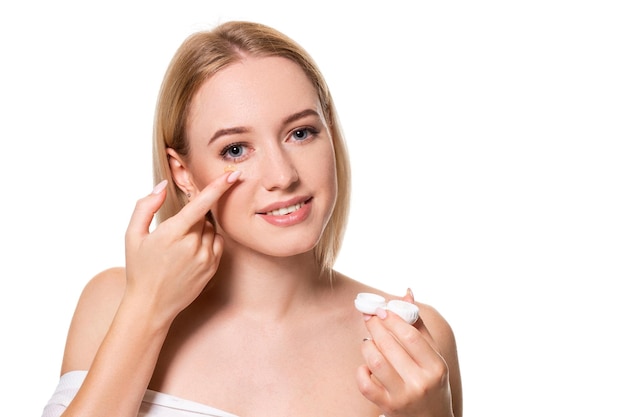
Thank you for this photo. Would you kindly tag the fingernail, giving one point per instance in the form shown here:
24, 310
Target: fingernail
159, 187
381, 313
367, 317
409, 292
233, 176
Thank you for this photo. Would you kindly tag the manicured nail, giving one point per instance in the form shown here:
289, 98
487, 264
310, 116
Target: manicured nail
381, 313
159, 187
409, 292
233, 176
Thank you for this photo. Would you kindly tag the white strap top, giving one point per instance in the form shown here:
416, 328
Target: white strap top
155, 404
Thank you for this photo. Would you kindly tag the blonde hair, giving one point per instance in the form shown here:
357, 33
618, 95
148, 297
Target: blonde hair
202, 55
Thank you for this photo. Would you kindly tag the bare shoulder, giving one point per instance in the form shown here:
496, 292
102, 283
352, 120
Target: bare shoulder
437, 326
93, 315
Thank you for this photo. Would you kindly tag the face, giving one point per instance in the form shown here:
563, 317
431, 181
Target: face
263, 117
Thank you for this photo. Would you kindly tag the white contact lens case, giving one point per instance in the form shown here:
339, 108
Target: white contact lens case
368, 303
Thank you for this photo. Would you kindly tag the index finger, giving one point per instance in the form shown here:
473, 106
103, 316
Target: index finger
397, 339
197, 209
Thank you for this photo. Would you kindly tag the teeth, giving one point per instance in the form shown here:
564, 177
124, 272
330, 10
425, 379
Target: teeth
284, 210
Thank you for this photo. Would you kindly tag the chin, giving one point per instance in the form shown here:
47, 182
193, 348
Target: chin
285, 251
283, 248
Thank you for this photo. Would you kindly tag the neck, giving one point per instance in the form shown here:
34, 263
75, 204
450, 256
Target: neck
267, 287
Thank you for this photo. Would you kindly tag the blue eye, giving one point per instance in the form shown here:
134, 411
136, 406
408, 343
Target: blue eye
303, 134
234, 152
300, 134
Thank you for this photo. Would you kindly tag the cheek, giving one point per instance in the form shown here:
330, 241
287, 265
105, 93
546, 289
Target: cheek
326, 169
231, 204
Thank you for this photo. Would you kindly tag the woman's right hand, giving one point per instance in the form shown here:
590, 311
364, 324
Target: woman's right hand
166, 269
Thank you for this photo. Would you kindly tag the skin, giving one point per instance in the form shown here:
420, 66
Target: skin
237, 316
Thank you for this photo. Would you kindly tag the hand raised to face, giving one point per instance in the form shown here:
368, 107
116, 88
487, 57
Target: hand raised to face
167, 268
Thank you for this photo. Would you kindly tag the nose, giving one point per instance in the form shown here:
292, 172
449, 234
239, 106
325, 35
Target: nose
279, 170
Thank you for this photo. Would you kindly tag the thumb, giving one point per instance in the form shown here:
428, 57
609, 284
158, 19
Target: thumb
144, 212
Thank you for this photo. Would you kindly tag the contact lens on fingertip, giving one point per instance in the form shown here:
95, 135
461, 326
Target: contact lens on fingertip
230, 168
368, 303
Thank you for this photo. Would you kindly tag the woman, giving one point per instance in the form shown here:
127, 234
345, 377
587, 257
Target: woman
230, 306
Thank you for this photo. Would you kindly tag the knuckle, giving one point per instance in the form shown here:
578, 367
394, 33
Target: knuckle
365, 387
191, 245
440, 372
412, 336
204, 257
375, 362
418, 388
139, 203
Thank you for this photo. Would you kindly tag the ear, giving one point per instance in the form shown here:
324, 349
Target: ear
180, 173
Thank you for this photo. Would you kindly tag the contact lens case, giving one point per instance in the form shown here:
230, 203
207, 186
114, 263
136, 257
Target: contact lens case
368, 303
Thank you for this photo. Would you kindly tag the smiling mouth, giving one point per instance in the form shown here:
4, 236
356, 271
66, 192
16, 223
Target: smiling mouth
286, 210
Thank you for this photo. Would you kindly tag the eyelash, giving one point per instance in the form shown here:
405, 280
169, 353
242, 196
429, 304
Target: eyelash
228, 148
311, 134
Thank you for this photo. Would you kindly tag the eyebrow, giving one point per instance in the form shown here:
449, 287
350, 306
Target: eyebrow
300, 115
228, 131
241, 129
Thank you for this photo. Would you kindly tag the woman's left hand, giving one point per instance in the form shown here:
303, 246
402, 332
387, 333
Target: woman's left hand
404, 374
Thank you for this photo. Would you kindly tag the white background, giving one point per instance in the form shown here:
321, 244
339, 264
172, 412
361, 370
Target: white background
488, 149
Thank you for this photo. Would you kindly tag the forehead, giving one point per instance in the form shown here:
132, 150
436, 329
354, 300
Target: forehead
252, 90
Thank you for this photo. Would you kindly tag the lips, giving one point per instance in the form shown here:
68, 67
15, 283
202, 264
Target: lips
284, 208
287, 213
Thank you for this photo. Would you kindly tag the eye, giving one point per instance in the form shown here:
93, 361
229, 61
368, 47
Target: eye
302, 134
234, 152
